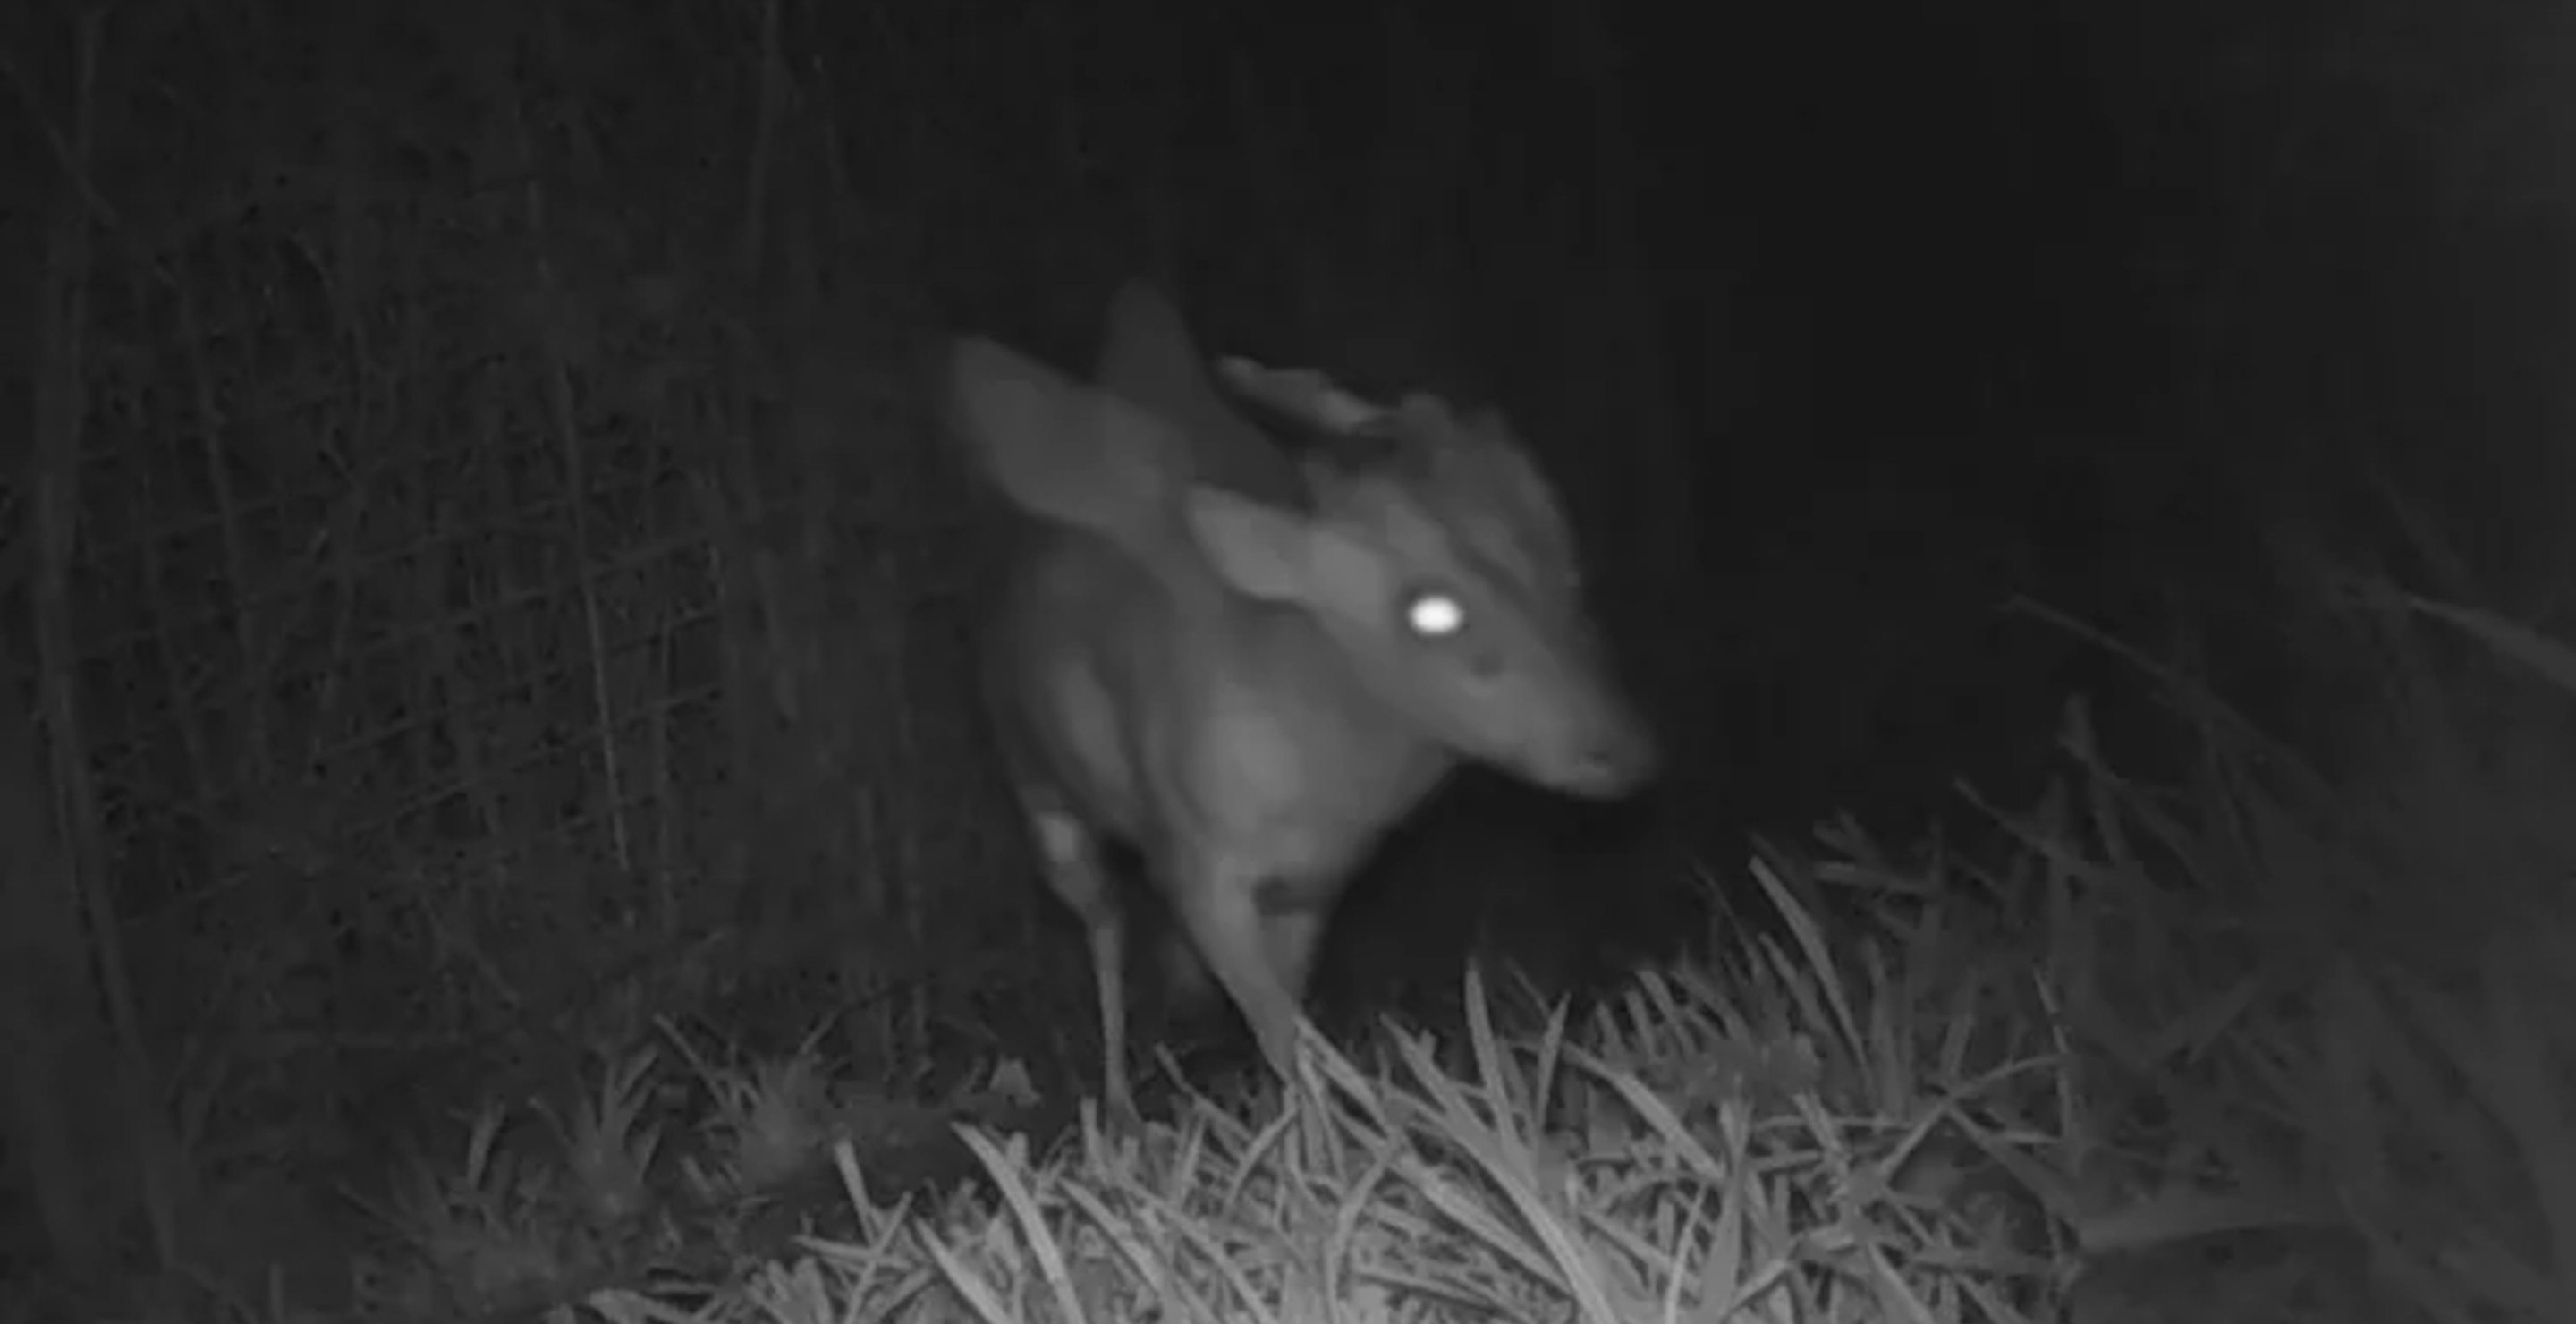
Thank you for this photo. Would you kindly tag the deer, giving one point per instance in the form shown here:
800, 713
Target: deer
1248, 667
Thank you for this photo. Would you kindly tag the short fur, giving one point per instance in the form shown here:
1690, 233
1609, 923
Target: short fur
1249, 668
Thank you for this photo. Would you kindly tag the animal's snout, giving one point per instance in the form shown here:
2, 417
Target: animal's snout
1623, 759
1606, 758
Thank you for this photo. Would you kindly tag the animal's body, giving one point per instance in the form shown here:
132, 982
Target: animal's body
1250, 668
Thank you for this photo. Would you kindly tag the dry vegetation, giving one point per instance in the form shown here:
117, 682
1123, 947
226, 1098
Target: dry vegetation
501, 828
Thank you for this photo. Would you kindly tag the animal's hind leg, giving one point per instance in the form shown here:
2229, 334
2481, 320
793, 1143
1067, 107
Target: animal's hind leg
1074, 869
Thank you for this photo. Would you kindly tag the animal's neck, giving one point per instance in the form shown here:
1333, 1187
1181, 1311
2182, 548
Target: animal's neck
1294, 759
1292, 656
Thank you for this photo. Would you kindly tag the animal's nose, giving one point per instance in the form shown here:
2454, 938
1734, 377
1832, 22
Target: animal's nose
1615, 759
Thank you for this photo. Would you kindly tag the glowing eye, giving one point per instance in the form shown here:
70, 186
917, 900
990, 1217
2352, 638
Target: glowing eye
1435, 615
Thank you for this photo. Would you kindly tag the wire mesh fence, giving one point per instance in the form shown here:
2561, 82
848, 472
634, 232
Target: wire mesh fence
441, 671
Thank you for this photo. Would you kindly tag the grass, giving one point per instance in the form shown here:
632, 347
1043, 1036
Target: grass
2261, 1048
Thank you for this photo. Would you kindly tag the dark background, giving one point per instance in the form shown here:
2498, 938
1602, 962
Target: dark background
415, 362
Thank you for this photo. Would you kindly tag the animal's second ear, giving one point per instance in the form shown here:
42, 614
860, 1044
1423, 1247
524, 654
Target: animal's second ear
1011, 404
1027, 427
1261, 550
1150, 359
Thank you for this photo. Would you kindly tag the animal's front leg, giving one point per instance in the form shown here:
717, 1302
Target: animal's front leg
1217, 902
1108, 967
1291, 938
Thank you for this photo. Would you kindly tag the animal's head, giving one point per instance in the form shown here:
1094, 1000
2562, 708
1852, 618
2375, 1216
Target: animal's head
1444, 570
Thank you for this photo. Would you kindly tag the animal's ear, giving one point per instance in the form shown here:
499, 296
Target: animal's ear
1150, 358
1056, 448
1262, 551
1152, 362
1009, 404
